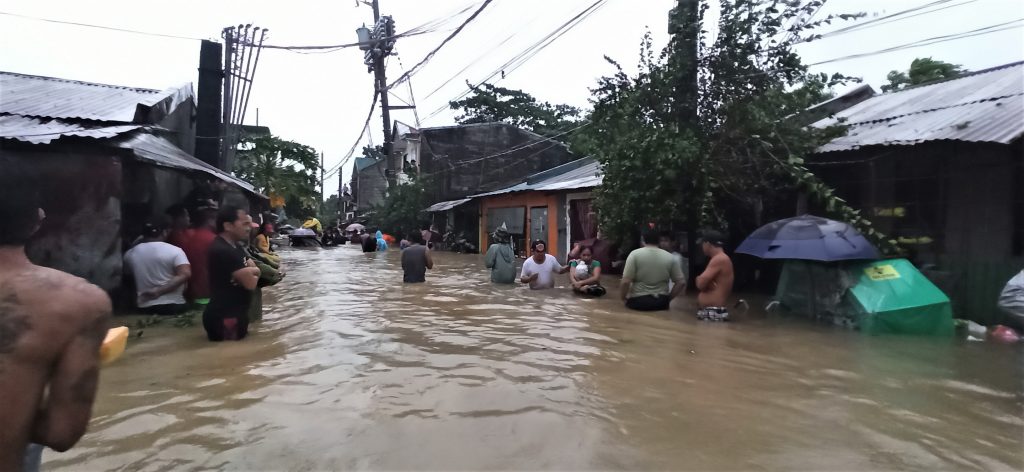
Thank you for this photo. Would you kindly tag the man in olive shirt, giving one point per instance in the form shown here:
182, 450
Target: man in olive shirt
646, 276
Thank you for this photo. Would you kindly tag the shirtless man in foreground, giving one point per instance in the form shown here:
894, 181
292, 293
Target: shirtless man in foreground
51, 328
715, 284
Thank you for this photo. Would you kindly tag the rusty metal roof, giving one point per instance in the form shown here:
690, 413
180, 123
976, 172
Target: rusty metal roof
984, 106
32, 95
43, 130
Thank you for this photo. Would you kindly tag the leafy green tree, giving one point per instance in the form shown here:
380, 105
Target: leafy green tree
374, 152
489, 103
281, 169
402, 209
701, 135
922, 70
328, 210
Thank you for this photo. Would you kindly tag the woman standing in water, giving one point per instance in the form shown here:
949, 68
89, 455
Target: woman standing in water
586, 274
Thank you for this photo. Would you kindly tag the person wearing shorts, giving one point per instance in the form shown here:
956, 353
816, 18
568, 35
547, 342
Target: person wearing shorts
715, 284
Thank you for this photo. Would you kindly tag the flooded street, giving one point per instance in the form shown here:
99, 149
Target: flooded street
350, 369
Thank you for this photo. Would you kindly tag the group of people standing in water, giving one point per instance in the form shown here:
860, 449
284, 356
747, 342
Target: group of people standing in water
652, 275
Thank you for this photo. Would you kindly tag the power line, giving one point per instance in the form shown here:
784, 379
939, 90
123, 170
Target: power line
530, 51
429, 55
545, 45
913, 44
892, 18
475, 61
928, 41
426, 28
352, 150
514, 149
109, 28
431, 26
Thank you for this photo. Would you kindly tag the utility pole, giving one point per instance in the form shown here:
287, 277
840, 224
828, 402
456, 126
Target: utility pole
378, 44
684, 26
322, 176
342, 203
208, 105
225, 122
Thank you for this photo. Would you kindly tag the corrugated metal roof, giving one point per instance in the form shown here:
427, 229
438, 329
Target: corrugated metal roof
985, 106
445, 206
44, 130
160, 151
32, 95
581, 173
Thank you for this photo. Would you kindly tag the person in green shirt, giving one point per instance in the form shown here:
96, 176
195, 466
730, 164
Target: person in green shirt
585, 274
500, 258
646, 276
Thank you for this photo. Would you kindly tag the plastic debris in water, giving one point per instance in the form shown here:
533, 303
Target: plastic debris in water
1004, 334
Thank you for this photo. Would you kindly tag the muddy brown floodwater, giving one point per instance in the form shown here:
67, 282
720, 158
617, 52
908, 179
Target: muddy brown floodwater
350, 369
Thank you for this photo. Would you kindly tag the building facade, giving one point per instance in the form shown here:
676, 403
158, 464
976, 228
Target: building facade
940, 168
108, 158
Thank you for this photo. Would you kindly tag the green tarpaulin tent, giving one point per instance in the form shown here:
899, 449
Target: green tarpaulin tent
887, 296
892, 296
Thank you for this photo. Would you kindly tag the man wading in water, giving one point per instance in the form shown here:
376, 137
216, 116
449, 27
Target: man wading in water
416, 260
233, 277
51, 328
647, 274
715, 284
539, 269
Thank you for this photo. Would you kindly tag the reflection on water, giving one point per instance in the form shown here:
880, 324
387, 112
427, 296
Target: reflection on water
351, 369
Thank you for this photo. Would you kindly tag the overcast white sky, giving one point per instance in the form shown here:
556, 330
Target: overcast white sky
322, 99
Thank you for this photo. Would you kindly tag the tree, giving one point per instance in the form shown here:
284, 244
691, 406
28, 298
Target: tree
374, 152
489, 103
720, 151
402, 209
922, 70
328, 210
281, 168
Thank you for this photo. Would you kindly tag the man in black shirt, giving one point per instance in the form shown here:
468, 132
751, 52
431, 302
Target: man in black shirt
233, 277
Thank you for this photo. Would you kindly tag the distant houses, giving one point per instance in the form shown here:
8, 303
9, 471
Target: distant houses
940, 167
554, 205
455, 162
109, 157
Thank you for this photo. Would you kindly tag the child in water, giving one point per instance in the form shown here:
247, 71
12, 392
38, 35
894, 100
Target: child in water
585, 274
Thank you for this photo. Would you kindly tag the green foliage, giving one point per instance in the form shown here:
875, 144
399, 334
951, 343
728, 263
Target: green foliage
922, 70
277, 167
184, 320
489, 103
688, 156
328, 211
375, 152
402, 209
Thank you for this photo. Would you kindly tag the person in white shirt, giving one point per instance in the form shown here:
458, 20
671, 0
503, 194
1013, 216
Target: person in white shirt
539, 269
160, 271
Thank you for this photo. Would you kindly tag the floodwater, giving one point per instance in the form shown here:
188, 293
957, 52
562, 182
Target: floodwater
350, 369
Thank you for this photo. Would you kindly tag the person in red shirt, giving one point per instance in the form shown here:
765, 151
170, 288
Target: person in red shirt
196, 247
180, 222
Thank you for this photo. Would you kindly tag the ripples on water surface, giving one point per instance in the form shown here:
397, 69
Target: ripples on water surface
350, 369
